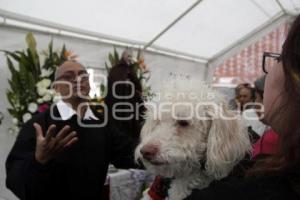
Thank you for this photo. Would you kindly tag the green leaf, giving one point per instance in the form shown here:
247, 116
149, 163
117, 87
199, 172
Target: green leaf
116, 54
103, 90
31, 82
32, 54
31, 43
50, 47
10, 97
107, 68
138, 54
62, 55
12, 54
111, 59
12, 112
15, 83
31, 62
11, 66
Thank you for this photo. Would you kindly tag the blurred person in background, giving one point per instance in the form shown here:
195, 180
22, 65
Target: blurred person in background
124, 93
253, 115
243, 95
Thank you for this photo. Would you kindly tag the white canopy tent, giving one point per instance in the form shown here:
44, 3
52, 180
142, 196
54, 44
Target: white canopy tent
189, 37
199, 30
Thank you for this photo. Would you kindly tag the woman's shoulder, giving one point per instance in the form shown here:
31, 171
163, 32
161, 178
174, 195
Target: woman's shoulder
258, 188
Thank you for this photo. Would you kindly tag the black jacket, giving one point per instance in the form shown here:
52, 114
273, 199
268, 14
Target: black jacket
281, 187
133, 102
79, 172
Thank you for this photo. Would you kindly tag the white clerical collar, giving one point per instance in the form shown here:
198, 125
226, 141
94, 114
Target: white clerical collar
66, 112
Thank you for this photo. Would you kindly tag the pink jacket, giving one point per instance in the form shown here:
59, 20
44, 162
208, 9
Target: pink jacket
267, 144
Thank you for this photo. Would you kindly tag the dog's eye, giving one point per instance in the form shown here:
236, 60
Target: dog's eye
182, 123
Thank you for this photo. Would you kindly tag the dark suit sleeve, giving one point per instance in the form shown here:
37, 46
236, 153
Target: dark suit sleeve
122, 149
26, 178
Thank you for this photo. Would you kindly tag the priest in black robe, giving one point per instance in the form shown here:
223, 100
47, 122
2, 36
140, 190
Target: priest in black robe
64, 152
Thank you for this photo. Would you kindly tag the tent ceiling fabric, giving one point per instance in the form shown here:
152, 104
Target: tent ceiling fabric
208, 29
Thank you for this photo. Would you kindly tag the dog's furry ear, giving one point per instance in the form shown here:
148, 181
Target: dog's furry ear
147, 127
149, 122
227, 143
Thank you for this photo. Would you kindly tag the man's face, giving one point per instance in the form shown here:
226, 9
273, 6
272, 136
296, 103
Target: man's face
127, 57
72, 81
244, 96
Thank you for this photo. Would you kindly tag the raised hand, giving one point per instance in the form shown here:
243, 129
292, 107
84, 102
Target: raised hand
48, 146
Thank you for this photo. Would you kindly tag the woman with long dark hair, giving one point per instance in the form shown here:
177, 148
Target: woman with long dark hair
278, 176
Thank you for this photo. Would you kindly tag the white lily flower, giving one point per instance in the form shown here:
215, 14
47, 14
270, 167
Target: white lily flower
41, 91
32, 107
46, 72
40, 100
56, 98
26, 117
13, 130
39, 84
44, 83
16, 129
15, 121
47, 97
51, 92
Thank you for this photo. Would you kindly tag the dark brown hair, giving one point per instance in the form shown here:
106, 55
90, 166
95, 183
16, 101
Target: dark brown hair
286, 117
124, 72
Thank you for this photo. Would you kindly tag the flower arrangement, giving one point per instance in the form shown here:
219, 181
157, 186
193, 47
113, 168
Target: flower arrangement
30, 84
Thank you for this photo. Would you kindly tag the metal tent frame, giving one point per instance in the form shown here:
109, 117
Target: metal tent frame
11, 19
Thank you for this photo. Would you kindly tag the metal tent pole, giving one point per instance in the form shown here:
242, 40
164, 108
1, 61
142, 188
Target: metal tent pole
172, 24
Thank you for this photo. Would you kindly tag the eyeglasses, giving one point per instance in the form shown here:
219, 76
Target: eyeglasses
72, 76
269, 59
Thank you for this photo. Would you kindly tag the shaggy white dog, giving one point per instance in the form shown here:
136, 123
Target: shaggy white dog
191, 136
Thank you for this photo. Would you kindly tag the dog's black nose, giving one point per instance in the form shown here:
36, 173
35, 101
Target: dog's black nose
149, 151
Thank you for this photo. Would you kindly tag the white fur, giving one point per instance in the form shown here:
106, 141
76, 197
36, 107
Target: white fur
222, 143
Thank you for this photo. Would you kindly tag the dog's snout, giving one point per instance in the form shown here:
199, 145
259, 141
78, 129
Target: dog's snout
149, 151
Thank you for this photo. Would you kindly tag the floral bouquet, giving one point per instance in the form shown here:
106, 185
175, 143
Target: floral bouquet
30, 84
